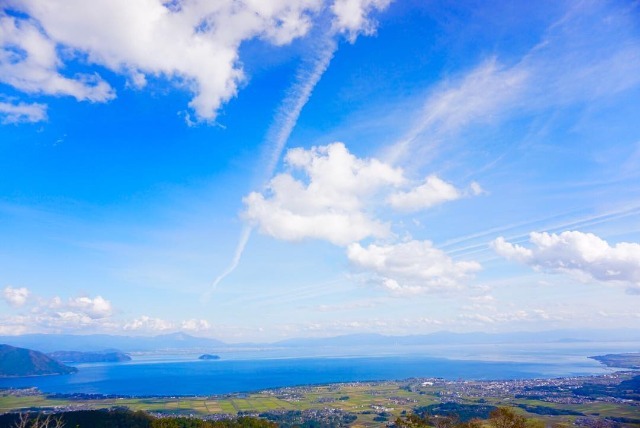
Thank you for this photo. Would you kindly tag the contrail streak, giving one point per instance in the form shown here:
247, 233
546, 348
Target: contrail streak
242, 243
279, 132
289, 111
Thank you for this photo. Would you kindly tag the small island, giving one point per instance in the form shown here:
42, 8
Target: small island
208, 357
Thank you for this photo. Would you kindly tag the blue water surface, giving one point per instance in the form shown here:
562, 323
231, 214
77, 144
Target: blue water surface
193, 377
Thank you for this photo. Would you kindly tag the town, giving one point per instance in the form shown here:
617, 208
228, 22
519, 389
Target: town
613, 398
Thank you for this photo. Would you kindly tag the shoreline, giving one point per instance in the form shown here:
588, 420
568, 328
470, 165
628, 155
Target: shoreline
79, 396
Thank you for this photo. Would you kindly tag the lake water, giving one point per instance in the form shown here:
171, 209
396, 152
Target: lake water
250, 371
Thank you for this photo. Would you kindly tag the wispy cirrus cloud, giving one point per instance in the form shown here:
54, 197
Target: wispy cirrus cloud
481, 95
590, 53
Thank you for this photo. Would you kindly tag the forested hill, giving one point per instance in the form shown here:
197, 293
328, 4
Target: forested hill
89, 357
26, 362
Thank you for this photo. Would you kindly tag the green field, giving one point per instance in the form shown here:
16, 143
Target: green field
366, 400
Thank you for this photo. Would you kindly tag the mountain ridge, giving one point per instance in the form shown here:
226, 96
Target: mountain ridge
19, 362
184, 341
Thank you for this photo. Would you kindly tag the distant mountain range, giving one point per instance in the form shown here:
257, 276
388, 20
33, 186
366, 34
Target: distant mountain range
26, 362
478, 338
182, 341
102, 342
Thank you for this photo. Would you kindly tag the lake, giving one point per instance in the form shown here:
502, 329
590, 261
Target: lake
184, 374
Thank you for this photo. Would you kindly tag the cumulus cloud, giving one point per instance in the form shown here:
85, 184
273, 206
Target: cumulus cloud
56, 313
581, 254
352, 16
334, 201
147, 323
67, 319
29, 62
22, 112
86, 314
42, 319
411, 267
336, 196
330, 204
195, 325
192, 43
97, 307
16, 296
433, 191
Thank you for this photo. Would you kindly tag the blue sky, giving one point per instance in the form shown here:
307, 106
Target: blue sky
263, 170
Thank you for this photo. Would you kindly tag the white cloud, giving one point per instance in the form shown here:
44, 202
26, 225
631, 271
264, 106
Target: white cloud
352, 16
411, 267
339, 228
84, 314
193, 43
337, 196
22, 112
42, 320
511, 251
432, 192
475, 189
29, 62
55, 314
12, 329
331, 205
517, 316
195, 325
68, 319
16, 296
97, 307
581, 254
147, 323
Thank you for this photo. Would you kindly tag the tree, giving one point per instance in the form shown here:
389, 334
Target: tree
473, 423
412, 421
505, 417
24, 421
